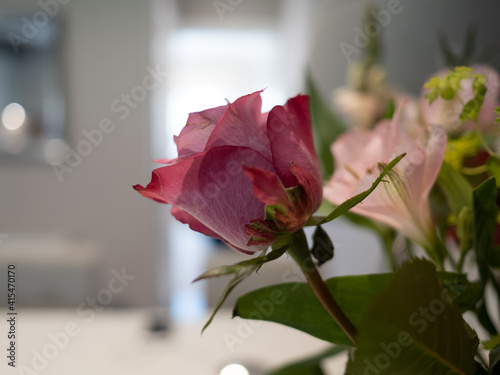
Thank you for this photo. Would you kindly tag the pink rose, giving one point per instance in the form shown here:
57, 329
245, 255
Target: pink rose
402, 200
447, 112
242, 176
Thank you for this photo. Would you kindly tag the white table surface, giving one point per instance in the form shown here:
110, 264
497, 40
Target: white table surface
116, 342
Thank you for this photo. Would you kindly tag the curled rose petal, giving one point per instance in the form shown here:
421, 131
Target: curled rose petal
289, 129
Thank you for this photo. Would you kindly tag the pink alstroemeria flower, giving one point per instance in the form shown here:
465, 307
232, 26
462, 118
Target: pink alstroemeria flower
242, 176
401, 201
447, 112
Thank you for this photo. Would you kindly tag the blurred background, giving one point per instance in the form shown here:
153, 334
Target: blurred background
92, 91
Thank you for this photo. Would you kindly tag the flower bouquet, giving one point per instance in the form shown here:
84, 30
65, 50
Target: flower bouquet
421, 173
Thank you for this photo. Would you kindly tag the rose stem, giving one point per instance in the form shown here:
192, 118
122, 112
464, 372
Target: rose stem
299, 251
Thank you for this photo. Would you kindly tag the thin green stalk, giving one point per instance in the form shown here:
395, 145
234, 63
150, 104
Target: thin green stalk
483, 141
472, 171
388, 245
299, 251
437, 252
464, 250
461, 261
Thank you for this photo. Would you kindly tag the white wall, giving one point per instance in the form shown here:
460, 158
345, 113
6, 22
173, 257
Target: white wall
107, 52
410, 44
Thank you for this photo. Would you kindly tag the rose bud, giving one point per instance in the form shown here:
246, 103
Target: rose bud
242, 176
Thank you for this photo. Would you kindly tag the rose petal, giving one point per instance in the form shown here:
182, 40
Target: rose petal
243, 124
200, 125
294, 209
313, 190
290, 135
153, 190
212, 187
196, 225
267, 187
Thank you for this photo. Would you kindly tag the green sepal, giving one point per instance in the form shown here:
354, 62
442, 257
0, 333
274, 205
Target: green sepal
240, 271
322, 249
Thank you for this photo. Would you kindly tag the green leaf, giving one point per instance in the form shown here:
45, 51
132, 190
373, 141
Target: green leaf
495, 361
295, 305
485, 214
327, 126
492, 343
472, 107
238, 278
389, 110
431, 96
493, 168
323, 248
240, 266
465, 229
455, 187
309, 366
412, 327
241, 271
467, 295
350, 203
448, 87
484, 318
494, 257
